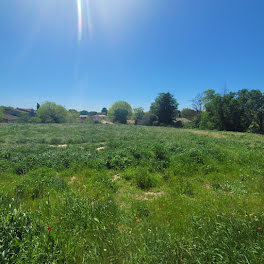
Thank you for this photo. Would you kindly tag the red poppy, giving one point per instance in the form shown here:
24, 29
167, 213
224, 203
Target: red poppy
163, 204
138, 220
49, 228
259, 228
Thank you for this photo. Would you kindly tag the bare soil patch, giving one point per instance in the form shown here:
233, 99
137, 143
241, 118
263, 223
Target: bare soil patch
150, 196
59, 146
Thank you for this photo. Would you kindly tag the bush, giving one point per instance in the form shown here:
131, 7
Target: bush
52, 113
178, 124
119, 112
144, 179
148, 119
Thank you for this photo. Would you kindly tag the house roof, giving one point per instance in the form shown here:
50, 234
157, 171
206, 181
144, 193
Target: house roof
83, 115
24, 110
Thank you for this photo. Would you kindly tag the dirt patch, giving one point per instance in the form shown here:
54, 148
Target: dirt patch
59, 146
207, 186
107, 122
207, 133
73, 179
100, 148
150, 196
116, 177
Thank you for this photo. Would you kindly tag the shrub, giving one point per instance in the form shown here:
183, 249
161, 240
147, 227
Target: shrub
144, 179
148, 119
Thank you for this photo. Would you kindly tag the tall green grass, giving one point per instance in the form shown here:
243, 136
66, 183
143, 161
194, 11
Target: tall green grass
150, 195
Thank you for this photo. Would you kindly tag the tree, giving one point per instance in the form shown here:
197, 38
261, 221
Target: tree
188, 113
52, 113
74, 111
164, 107
197, 103
73, 115
120, 112
138, 114
38, 106
148, 119
104, 111
92, 113
83, 112
239, 111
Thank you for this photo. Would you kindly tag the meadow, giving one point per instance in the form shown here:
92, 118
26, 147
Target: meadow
93, 193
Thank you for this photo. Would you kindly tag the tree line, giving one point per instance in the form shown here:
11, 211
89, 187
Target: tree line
234, 111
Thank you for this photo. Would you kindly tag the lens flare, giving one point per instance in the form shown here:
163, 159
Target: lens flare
79, 10
86, 5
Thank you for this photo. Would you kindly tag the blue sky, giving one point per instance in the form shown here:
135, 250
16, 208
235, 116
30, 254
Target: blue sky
127, 50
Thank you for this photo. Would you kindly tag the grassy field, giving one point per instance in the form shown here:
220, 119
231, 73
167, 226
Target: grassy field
128, 194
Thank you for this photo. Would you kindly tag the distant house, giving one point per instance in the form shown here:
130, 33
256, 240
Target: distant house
99, 117
31, 112
83, 117
9, 118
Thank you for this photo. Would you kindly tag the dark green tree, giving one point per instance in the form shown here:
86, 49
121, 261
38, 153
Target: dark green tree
104, 111
83, 112
120, 115
164, 107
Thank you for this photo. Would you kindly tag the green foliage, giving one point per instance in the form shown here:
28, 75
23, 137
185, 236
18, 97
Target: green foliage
188, 113
120, 112
104, 111
148, 119
52, 113
84, 112
178, 124
144, 179
164, 107
138, 114
239, 111
73, 116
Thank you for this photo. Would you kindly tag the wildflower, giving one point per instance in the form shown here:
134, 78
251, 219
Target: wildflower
121, 227
49, 228
233, 214
127, 227
165, 220
259, 228
163, 204
138, 220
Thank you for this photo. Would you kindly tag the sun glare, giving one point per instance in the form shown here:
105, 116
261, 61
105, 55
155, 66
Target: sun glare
84, 13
